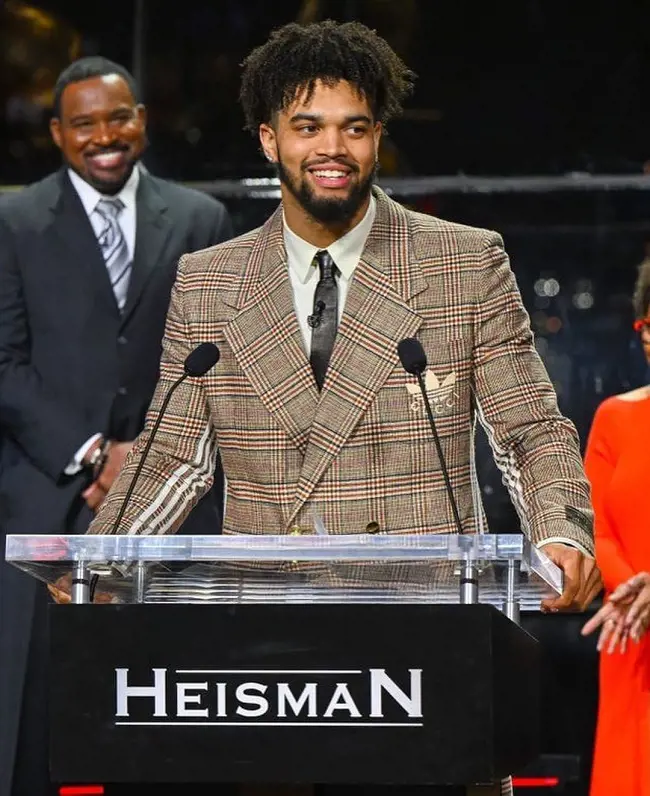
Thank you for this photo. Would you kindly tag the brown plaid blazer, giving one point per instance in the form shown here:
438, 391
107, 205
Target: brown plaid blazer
359, 454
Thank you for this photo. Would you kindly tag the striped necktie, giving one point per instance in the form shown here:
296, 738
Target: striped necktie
114, 249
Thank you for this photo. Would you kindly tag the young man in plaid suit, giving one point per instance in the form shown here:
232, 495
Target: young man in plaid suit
309, 405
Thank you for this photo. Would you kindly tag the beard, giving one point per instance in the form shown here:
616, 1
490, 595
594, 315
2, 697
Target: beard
327, 211
108, 187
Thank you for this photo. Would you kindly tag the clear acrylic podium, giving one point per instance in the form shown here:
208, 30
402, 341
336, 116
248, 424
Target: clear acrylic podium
333, 659
505, 570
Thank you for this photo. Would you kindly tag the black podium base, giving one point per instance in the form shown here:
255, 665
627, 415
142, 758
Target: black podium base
402, 695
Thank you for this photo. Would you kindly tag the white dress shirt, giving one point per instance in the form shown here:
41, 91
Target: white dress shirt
304, 272
89, 197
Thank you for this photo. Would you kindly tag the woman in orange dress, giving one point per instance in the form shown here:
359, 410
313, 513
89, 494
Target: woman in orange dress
618, 466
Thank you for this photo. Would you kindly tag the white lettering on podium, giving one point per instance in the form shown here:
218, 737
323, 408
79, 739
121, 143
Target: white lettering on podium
246, 698
157, 691
313, 697
185, 698
286, 697
342, 700
221, 700
380, 682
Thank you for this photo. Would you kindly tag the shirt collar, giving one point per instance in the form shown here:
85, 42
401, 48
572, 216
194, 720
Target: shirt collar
345, 251
90, 196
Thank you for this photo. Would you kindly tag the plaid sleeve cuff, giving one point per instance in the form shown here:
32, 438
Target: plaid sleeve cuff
567, 542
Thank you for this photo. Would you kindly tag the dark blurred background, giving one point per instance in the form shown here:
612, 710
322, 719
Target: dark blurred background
530, 117
514, 87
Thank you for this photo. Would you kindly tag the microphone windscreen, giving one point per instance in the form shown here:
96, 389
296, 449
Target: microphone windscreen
412, 356
204, 357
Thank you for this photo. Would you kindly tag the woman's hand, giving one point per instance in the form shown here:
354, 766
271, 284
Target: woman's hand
625, 614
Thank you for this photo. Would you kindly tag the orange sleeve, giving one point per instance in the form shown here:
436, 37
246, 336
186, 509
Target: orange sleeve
600, 460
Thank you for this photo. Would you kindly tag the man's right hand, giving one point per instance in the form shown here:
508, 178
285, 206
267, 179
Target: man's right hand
61, 591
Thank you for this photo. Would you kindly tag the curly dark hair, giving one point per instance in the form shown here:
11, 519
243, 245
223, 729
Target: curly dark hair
641, 295
296, 56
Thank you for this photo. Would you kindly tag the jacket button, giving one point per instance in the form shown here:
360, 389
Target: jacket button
122, 340
122, 391
300, 530
372, 527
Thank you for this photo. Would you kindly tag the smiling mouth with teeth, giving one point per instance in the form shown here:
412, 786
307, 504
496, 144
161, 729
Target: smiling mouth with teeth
107, 159
330, 173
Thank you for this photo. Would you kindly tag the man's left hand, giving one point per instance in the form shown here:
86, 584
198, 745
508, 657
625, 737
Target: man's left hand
94, 494
117, 453
582, 579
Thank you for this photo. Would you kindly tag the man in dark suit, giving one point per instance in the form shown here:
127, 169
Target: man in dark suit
87, 260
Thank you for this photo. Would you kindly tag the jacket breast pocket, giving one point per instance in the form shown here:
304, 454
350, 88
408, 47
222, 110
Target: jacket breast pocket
447, 381
400, 408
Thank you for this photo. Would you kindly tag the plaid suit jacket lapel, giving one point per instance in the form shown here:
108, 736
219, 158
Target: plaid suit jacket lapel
377, 316
265, 337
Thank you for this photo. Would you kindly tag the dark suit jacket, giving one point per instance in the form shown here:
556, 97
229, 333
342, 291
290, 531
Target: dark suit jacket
71, 366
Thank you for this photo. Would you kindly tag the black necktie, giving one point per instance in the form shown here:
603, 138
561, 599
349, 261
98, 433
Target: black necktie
324, 319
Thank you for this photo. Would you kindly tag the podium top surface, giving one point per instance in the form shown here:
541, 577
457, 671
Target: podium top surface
295, 568
24, 548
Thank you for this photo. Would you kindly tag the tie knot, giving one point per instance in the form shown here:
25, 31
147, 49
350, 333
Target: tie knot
110, 207
326, 264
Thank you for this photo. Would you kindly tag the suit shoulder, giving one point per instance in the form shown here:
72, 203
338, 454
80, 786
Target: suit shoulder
25, 203
430, 233
231, 255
